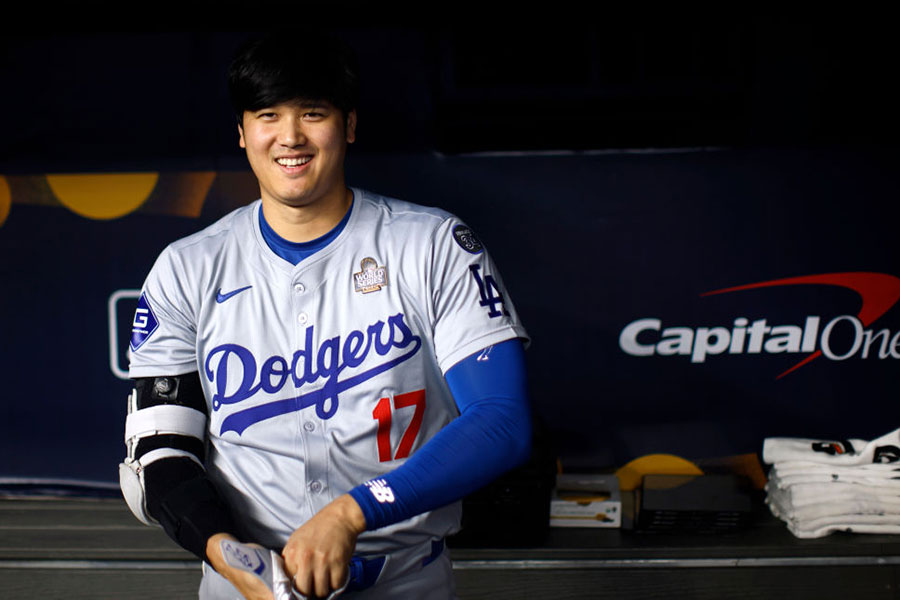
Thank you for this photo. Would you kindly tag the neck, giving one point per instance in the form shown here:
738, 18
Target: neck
306, 223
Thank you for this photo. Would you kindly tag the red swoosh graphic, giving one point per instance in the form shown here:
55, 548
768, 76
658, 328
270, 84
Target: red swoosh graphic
878, 291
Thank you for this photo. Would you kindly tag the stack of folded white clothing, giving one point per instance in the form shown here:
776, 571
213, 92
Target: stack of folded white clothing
821, 486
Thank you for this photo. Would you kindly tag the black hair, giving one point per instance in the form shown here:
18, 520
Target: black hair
299, 65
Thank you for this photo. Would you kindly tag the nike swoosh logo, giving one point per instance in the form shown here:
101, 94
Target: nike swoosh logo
259, 557
220, 297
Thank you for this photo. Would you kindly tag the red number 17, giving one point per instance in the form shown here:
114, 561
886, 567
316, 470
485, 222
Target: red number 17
382, 414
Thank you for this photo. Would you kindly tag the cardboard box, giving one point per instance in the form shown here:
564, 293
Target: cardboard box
586, 501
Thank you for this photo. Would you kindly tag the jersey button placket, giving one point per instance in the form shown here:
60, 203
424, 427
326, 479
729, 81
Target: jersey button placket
312, 431
302, 316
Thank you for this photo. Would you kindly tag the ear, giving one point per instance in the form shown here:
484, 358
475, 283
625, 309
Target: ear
241, 142
351, 127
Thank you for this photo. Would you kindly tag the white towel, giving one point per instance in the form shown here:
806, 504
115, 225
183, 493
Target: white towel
809, 494
790, 467
821, 486
803, 514
831, 477
852, 523
835, 452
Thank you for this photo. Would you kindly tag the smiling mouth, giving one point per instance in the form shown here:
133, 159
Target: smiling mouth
293, 162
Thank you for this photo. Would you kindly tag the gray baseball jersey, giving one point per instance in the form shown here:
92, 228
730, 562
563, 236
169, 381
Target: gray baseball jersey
296, 361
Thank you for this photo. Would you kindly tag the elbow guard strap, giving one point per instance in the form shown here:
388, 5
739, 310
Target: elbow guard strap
166, 418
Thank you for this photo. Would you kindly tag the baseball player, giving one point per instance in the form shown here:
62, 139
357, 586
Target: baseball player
323, 373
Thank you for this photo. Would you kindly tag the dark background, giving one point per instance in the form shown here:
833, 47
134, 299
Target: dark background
616, 167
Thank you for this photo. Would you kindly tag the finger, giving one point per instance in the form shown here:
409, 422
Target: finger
293, 566
303, 581
339, 577
322, 580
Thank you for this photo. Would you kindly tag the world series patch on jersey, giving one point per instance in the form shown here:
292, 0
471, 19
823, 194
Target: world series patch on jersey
327, 374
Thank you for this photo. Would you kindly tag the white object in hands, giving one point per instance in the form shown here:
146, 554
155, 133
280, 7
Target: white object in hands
268, 566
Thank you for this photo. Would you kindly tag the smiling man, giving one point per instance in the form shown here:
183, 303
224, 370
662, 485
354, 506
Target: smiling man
322, 374
296, 150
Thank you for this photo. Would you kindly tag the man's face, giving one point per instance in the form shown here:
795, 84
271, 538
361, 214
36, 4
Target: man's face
296, 150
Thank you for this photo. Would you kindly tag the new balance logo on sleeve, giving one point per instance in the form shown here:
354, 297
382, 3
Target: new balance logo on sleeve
381, 490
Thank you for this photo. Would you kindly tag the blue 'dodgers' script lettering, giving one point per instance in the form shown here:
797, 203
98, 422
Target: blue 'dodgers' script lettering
307, 366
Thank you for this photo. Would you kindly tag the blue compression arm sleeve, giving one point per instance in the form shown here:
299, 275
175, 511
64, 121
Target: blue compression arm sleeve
491, 436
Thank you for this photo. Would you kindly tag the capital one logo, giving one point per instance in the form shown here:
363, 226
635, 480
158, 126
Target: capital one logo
878, 292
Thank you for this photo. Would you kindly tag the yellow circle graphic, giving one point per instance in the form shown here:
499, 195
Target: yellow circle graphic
5, 199
631, 475
103, 196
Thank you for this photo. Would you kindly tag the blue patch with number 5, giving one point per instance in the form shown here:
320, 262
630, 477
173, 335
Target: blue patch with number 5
144, 324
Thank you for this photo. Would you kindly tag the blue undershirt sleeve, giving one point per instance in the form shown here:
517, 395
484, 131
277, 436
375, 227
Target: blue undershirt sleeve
491, 436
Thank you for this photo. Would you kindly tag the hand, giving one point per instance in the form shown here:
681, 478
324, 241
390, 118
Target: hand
248, 584
317, 555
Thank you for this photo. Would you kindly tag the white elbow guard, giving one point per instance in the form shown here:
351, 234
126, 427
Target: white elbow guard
144, 423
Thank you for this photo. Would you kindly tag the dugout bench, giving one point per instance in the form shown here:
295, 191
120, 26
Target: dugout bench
96, 549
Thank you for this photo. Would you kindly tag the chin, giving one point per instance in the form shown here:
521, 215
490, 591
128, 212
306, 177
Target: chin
296, 198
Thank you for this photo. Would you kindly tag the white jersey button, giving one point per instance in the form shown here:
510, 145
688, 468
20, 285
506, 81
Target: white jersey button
315, 486
299, 288
309, 426
302, 318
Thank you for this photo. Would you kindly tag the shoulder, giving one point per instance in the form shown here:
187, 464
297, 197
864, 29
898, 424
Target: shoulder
238, 221
400, 218
414, 222
213, 239
400, 212
194, 258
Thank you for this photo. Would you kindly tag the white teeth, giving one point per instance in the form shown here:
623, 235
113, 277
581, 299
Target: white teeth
293, 162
